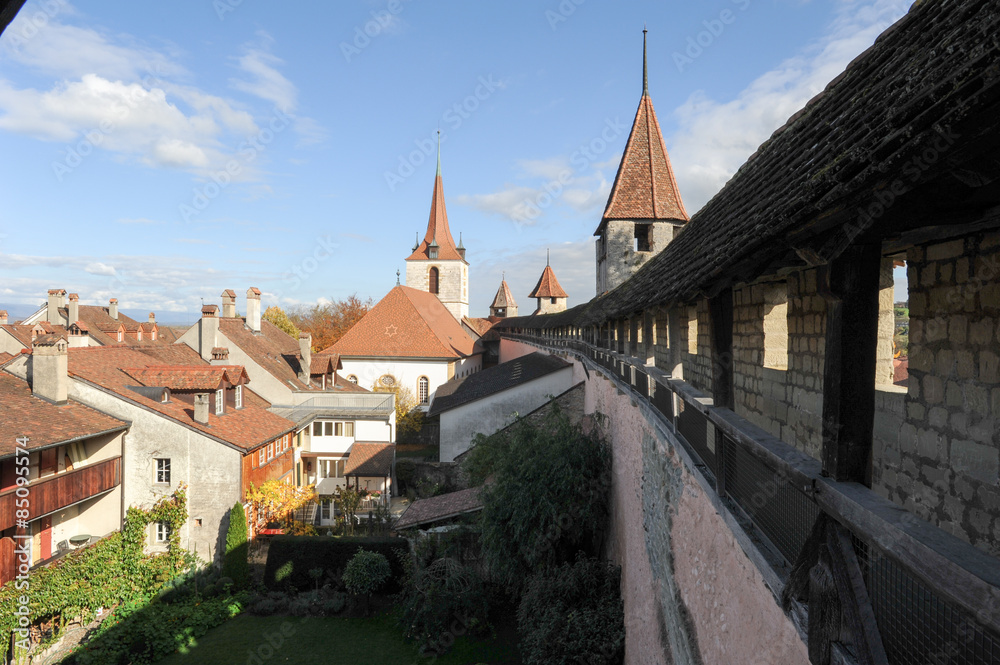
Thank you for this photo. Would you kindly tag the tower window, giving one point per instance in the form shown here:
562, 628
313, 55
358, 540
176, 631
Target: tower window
432, 281
641, 241
552, 300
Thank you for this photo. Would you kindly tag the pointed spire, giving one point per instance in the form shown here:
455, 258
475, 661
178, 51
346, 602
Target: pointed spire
645, 187
439, 153
548, 286
645, 80
438, 234
397, 276
546, 256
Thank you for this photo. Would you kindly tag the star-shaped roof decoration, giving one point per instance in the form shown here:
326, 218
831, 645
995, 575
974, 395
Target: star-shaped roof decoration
390, 330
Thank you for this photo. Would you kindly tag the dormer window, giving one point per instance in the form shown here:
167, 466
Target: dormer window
139, 334
239, 397
220, 401
121, 336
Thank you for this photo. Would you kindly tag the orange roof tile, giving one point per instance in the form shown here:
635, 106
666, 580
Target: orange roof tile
645, 187
370, 459
548, 286
273, 349
43, 422
324, 363
406, 323
478, 325
205, 377
245, 428
504, 298
437, 228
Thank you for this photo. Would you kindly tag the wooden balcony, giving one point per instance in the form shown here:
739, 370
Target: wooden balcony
64, 489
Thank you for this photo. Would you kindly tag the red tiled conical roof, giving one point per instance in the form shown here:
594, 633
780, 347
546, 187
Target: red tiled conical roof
548, 286
645, 187
437, 227
503, 298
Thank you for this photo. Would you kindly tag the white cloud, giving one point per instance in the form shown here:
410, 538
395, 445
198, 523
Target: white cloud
98, 268
69, 51
266, 81
716, 137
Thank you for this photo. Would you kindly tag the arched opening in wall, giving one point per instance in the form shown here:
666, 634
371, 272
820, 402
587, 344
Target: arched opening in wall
692, 326
892, 354
776, 325
423, 389
432, 281
386, 382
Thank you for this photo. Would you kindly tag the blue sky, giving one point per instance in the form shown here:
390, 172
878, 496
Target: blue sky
162, 152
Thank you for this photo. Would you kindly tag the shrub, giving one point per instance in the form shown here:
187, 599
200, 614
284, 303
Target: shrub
290, 558
366, 572
573, 613
548, 498
234, 564
441, 596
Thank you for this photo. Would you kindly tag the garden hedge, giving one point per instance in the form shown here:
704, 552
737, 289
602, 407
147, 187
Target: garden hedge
290, 558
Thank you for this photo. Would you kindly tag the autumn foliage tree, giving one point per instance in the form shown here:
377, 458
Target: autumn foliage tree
329, 321
277, 316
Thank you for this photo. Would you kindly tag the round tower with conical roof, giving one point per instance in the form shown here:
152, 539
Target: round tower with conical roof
644, 210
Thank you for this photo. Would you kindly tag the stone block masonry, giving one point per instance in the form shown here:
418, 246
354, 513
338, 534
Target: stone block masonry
937, 447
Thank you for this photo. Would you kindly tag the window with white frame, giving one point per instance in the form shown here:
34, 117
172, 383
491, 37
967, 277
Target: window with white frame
220, 401
162, 471
353, 379
423, 389
239, 397
162, 532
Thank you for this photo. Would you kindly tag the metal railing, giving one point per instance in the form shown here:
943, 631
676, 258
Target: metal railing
935, 599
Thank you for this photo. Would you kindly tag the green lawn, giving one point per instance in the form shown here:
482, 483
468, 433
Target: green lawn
257, 640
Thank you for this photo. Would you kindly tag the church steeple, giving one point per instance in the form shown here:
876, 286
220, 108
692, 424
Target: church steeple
436, 264
438, 233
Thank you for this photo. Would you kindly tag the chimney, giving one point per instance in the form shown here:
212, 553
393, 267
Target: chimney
253, 308
229, 304
201, 408
113, 308
55, 302
152, 317
220, 353
305, 350
74, 309
3, 317
49, 365
208, 331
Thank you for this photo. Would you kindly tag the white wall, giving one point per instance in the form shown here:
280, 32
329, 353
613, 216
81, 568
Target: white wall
487, 415
406, 372
211, 469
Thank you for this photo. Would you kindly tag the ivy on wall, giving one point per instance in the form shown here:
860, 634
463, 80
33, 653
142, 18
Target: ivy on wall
112, 571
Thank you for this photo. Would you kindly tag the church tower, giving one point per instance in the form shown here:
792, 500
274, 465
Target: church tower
644, 210
437, 265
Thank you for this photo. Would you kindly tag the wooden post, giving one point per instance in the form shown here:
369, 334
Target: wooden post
850, 285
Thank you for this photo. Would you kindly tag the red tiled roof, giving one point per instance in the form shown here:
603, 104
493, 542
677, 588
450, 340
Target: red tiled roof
480, 326
548, 286
41, 421
440, 507
246, 428
370, 459
19, 332
644, 187
205, 377
4, 357
273, 349
504, 298
406, 323
324, 363
437, 229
